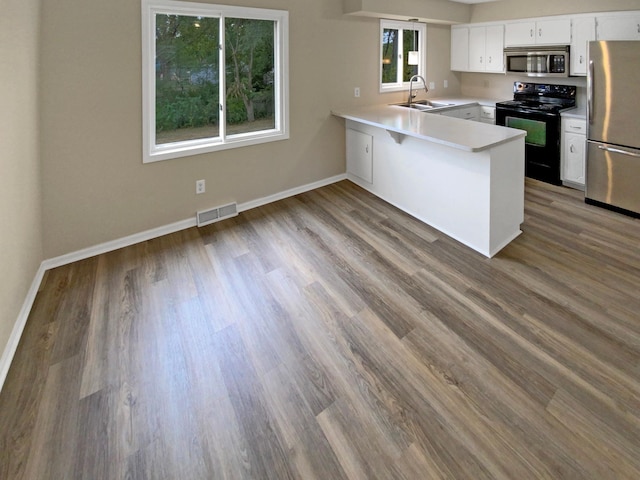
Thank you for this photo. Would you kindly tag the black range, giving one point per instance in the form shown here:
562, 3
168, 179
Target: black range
536, 109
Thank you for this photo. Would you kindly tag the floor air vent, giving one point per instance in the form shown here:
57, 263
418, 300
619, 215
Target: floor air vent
205, 217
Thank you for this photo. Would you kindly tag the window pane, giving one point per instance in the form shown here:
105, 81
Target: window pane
187, 64
389, 56
250, 75
410, 41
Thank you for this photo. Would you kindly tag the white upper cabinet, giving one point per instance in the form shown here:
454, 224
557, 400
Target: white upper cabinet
520, 33
480, 48
554, 32
486, 46
495, 48
583, 31
460, 49
540, 32
619, 27
477, 57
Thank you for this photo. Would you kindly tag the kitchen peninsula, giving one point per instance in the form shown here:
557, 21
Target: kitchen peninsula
463, 178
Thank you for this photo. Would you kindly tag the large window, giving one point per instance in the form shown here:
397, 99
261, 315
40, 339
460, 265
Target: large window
214, 77
402, 54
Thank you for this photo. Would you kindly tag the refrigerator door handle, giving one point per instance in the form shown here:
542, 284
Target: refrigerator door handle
590, 91
618, 150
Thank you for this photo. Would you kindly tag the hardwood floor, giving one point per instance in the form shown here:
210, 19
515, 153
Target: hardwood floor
330, 336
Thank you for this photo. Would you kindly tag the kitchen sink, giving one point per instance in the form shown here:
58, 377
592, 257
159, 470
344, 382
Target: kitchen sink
423, 104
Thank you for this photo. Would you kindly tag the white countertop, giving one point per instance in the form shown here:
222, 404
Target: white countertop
461, 100
453, 132
577, 112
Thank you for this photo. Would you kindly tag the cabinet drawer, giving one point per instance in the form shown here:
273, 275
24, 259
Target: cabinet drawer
575, 125
487, 113
470, 113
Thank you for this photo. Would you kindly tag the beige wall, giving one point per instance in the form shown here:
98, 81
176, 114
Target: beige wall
500, 87
513, 9
21, 237
96, 188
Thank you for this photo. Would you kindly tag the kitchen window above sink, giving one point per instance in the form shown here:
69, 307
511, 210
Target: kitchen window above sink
397, 39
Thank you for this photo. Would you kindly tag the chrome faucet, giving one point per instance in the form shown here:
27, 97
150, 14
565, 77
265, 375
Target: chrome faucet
411, 94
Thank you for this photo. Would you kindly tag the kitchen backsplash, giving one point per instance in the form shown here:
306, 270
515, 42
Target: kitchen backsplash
500, 87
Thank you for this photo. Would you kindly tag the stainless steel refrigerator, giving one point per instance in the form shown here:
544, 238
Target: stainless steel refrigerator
613, 126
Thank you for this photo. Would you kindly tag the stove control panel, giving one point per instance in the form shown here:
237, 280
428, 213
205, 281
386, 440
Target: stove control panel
544, 90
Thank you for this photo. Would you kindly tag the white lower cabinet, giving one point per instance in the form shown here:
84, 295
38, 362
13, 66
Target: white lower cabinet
469, 113
466, 113
487, 114
450, 113
360, 155
475, 197
574, 141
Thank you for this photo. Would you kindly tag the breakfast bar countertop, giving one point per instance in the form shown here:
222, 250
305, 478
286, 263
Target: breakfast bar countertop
453, 132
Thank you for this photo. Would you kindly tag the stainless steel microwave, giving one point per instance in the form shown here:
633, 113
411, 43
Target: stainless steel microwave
537, 61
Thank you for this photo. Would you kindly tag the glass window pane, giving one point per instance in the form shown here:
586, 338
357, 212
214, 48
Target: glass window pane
410, 41
250, 75
389, 56
187, 89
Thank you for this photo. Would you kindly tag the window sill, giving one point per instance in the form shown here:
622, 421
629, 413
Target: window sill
395, 88
185, 149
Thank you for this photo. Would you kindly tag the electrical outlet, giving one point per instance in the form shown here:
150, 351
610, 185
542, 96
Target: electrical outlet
356, 92
446, 84
432, 85
200, 187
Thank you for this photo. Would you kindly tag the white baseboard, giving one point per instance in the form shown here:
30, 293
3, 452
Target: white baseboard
119, 243
18, 328
290, 193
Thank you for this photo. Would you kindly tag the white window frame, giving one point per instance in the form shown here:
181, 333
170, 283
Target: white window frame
399, 85
153, 152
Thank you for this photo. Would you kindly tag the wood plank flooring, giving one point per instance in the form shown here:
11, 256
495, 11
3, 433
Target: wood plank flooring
331, 336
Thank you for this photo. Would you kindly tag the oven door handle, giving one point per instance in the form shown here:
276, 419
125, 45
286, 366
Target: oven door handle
618, 150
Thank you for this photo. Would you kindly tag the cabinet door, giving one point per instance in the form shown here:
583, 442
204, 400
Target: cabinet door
619, 28
460, 49
360, 155
574, 159
519, 33
487, 114
477, 59
494, 48
553, 32
584, 31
